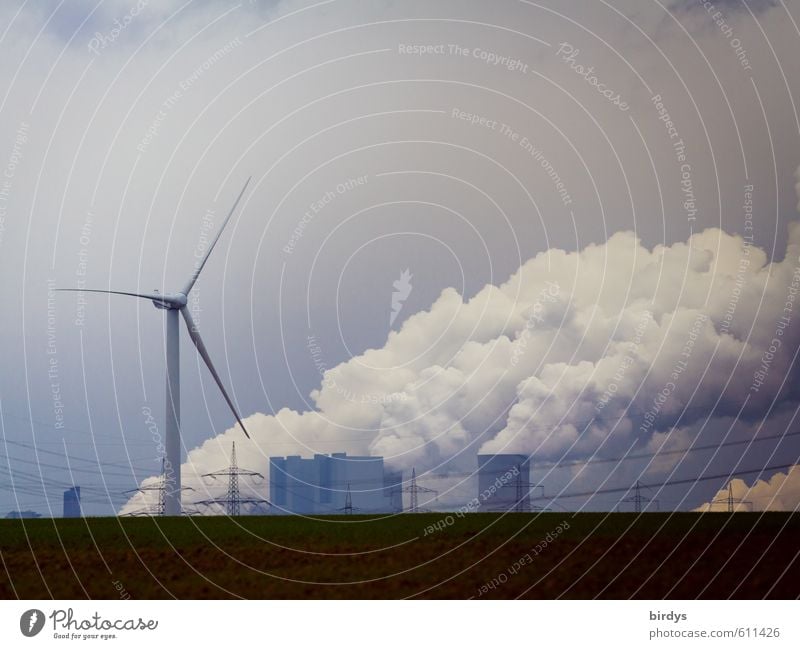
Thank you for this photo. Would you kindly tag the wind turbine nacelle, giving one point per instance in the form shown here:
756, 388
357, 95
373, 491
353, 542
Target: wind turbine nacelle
170, 301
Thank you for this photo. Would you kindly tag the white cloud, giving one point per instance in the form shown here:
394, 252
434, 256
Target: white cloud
780, 493
522, 367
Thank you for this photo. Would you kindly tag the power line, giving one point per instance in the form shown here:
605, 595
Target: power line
670, 483
641, 456
39, 479
637, 456
71, 469
76, 458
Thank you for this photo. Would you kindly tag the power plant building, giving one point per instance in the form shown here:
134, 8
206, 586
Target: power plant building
393, 490
504, 483
23, 514
319, 485
72, 503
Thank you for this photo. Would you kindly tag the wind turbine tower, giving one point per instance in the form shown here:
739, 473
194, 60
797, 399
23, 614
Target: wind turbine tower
174, 304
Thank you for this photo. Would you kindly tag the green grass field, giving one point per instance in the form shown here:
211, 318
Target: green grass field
479, 555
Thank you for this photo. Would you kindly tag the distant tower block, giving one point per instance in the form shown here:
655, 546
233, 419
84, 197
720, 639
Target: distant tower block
72, 503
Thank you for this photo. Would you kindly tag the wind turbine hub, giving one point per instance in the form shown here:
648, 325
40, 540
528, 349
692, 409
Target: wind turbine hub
171, 301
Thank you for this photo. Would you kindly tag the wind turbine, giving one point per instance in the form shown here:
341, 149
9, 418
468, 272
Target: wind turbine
174, 304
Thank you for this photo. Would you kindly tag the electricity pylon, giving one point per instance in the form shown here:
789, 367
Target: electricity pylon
638, 499
348, 503
161, 488
730, 502
233, 499
414, 489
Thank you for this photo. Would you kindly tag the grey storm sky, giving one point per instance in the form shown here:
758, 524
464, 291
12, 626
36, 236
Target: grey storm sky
127, 131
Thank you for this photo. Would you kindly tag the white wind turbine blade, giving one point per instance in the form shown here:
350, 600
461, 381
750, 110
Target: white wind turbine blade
201, 348
146, 296
202, 263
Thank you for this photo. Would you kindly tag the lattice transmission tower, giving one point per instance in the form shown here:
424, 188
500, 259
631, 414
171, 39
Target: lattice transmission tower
233, 500
415, 490
348, 503
638, 499
161, 487
730, 502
